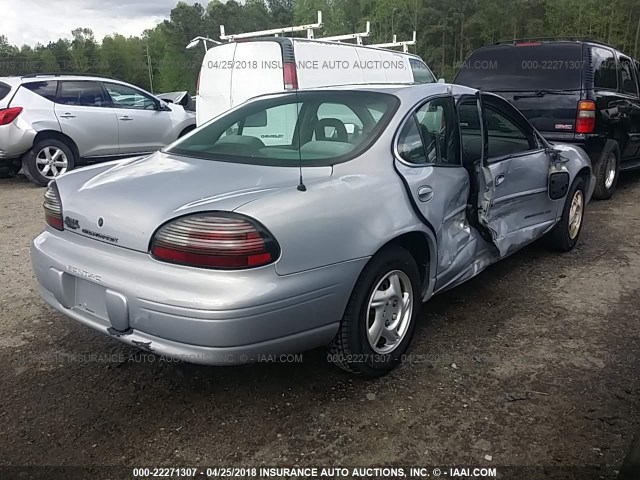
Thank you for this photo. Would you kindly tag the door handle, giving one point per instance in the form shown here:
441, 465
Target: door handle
67, 115
425, 194
499, 179
126, 118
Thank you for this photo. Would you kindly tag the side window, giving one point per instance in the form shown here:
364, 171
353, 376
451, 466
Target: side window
44, 89
421, 73
430, 136
627, 77
438, 127
410, 145
470, 132
81, 93
505, 137
127, 97
604, 68
273, 126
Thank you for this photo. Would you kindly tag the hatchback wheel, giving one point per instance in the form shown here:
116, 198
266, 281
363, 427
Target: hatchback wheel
565, 234
606, 170
380, 318
48, 159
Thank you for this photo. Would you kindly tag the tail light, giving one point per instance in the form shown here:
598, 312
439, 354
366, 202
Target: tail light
290, 76
53, 207
586, 121
215, 240
8, 115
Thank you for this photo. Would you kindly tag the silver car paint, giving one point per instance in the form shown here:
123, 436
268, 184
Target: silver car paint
326, 234
97, 131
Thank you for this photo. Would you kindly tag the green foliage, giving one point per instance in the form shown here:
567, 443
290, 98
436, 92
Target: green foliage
447, 32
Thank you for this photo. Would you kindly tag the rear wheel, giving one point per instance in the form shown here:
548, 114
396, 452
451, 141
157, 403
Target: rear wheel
48, 159
566, 233
380, 318
607, 170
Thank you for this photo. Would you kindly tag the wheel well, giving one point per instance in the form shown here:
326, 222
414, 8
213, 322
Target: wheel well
186, 130
417, 244
61, 137
586, 176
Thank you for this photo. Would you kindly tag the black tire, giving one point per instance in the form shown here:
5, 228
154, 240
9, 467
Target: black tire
9, 168
187, 130
351, 349
560, 238
600, 169
30, 167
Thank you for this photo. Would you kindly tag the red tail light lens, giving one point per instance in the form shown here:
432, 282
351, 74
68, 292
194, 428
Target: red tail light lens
53, 208
215, 240
586, 121
290, 76
8, 115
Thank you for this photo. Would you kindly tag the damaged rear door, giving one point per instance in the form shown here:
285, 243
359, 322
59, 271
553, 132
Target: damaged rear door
514, 202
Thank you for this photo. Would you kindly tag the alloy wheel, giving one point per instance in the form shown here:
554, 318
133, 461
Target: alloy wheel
575, 213
389, 312
52, 162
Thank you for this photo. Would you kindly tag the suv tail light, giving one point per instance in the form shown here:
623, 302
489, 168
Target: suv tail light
586, 121
215, 240
8, 115
53, 207
290, 76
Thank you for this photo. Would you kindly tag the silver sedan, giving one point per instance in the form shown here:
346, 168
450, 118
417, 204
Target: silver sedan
299, 220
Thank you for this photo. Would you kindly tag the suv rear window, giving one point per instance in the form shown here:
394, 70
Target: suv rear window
4, 90
526, 67
44, 89
315, 128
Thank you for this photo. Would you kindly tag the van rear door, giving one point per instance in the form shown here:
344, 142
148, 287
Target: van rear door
257, 69
214, 93
543, 80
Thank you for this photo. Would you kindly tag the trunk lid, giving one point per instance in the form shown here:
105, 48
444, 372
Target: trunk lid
123, 203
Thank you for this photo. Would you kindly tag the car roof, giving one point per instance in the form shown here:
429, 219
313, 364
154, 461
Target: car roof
405, 91
67, 76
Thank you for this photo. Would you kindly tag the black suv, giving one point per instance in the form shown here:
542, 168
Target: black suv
573, 91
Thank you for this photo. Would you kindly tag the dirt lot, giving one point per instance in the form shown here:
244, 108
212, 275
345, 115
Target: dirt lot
535, 362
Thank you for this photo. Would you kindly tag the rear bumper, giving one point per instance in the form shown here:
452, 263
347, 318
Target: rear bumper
15, 139
593, 144
195, 315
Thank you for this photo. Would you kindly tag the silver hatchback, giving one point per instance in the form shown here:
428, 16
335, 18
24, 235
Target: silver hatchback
51, 123
297, 220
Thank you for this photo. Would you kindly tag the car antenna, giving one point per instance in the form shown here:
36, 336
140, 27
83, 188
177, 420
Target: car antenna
301, 186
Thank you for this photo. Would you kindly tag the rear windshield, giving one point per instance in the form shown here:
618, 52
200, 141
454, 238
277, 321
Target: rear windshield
524, 68
315, 128
4, 90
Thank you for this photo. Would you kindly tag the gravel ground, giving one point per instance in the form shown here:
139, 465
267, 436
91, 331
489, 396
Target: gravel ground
534, 362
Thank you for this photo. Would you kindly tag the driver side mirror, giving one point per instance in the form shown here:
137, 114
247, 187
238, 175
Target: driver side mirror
162, 106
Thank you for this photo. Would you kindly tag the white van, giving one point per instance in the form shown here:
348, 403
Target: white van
234, 72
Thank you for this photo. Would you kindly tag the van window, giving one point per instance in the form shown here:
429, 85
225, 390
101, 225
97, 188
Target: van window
421, 73
523, 68
604, 68
627, 77
44, 89
4, 90
286, 129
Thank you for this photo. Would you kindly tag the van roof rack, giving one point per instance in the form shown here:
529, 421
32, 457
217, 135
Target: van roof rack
275, 31
576, 38
395, 43
350, 36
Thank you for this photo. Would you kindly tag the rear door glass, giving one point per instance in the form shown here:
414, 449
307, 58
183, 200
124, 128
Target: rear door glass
82, 93
604, 68
421, 73
44, 89
4, 90
553, 66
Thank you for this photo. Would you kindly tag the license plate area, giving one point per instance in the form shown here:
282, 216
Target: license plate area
91, 298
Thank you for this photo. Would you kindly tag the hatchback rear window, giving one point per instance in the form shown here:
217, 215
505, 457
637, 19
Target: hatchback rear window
315, 128
524, 67
4, 90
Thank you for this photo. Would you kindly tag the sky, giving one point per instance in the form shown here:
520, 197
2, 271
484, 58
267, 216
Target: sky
32, 21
